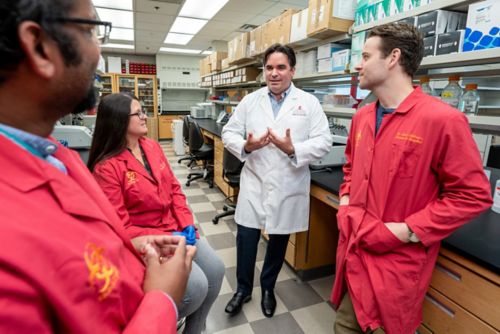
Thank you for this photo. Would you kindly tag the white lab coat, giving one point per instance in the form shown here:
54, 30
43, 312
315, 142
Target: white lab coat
274, 189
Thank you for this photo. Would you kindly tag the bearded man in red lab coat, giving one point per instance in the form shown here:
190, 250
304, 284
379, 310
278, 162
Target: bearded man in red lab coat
66, 265
413, 175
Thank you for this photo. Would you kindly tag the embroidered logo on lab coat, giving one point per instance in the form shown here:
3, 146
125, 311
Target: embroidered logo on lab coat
357, 138
299, 111
131, 177
162, 165
103, 275
409, 137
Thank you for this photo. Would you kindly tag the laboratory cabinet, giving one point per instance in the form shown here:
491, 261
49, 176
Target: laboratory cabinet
165, 123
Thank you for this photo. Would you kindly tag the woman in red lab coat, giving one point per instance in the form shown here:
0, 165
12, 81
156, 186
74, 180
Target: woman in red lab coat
134, 173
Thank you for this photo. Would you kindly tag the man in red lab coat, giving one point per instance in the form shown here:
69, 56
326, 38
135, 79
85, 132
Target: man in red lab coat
65, 264
413, 175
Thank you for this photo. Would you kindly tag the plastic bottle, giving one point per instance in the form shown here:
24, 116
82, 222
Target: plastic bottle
496, 198
452, 92
426, 87
469, 102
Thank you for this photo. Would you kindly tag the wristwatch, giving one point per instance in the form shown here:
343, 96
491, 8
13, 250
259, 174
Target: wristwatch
412, 237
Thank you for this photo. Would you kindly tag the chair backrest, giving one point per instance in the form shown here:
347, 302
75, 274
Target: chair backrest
230, 163
185, 129
195, 137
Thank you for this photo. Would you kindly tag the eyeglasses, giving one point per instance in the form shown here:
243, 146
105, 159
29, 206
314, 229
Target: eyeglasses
101, 29
140, 114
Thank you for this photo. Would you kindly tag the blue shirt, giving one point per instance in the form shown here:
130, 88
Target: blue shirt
276, 105
36, 145
381, 112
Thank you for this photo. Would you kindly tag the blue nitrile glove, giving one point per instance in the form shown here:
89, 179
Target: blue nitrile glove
190, 233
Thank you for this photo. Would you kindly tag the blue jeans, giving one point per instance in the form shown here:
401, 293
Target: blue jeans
202, 289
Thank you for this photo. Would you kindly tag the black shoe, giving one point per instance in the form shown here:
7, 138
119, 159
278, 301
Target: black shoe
236, 303
268, 303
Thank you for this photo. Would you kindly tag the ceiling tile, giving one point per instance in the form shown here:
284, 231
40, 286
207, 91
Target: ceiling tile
164, 8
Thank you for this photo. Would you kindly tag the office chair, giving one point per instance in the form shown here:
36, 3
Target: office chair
231, 170
185, 138
200, 151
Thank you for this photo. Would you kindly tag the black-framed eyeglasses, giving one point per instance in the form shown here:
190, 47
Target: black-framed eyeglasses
140, 114
101, 31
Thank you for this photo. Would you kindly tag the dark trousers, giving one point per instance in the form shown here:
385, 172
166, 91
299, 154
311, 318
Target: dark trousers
247, 241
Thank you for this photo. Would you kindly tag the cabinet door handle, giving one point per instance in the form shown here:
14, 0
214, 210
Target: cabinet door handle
333, 199
440, 305
452, 274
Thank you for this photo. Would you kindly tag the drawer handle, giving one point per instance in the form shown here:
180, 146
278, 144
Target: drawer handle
440, 305
333, 199
452, 274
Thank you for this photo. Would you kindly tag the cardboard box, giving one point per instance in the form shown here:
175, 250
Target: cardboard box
329, 17
340, 60
355, 60
450, 42
358, 41
440, 21
324, 65
225, 63
216, 60
255, 43
430, 46
242, 47
298, 29
483, 26
326, 50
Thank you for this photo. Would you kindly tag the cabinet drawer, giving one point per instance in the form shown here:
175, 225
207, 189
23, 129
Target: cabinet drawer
441, 315
293, 236
423, 330
473, 292
325, 196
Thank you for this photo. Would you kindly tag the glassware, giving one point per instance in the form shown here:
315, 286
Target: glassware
426, 87
469, 102
452, 92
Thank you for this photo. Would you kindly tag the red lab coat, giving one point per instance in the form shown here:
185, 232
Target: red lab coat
146, 204
422, 168
65, 263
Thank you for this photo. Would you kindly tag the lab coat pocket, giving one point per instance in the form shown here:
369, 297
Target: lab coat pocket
405, 158
379, 239
343, 223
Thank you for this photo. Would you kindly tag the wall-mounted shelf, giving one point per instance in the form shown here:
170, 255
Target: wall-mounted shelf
436, 4
478, 57
486, 124
341, 112
225, 103
185, 88
241, 84
322, 75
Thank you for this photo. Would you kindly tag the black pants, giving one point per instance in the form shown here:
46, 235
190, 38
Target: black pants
247, 241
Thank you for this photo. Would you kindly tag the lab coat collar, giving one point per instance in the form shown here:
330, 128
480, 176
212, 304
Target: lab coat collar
407, 103
136, 166
286, 108
26, 172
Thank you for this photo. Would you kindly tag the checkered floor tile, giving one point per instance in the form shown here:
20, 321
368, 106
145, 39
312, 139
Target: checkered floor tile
302, 306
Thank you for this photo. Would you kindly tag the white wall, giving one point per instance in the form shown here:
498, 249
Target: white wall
178, 71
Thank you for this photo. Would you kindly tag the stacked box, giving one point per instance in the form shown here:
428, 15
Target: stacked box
329, 17
440, 21
450, 42
277, 30
358, 40
483, 26
255, 44
430, 46
340, 60
298, 30
216, 60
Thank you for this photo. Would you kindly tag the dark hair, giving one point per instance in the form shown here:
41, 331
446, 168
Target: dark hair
14, 12
110, 133
404, 37
288, 51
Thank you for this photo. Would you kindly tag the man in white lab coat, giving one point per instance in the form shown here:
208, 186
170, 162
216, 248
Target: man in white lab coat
278, 131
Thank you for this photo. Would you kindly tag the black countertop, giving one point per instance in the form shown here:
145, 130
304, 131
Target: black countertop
210, 125
478, 240
174, 112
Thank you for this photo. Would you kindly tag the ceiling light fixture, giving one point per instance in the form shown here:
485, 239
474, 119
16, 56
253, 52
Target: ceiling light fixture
117, 46
202, 9
115, 4
122, 34
174, 50
186, 25
119, 18
174, 38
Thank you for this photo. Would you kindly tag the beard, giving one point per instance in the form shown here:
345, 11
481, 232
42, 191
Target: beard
88, 101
